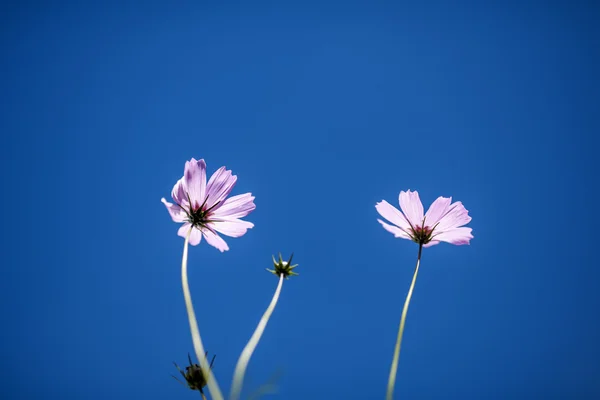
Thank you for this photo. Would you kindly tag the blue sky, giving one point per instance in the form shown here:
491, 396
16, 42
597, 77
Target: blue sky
321, 111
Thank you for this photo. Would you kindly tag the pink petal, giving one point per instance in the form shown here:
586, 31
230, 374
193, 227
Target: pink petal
183, 229
176, 212
215, 240
411, 206
457, 236
232, 228
179, 195
219, 186
392, 214
455, 216
399, 233
236, 207
437, 210
431, 243
195, 181
195, 236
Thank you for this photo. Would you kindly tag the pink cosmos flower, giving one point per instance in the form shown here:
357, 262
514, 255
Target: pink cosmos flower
443, 222
204, 207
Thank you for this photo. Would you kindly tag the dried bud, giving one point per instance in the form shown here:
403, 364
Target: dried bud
194, 377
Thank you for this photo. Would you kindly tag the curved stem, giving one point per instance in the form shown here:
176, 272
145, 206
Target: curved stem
394, 369
211, 382
242, 364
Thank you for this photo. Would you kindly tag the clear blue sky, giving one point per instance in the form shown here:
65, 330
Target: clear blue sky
321, 111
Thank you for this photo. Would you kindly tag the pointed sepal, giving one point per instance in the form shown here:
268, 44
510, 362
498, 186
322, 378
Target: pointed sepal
282, 267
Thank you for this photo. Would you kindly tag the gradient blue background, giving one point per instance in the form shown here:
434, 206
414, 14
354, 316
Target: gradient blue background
321, 111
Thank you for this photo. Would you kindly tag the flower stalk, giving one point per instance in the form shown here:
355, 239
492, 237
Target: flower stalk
394, 369
242, 364
211, 382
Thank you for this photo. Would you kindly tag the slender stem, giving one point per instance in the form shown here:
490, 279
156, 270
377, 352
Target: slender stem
394, 369
203, 396
211, 382
242, 364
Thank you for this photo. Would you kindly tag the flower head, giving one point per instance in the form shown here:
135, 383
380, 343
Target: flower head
284, 268
204, 207
443, 222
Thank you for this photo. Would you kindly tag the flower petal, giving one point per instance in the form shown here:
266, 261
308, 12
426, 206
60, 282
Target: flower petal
392, 214
194, 179
437, 210
183, 229
176, 212
235, 207
399, 233
431, 243
411, 206
232, 228
195, 236
456, 215
457, 236
219, 186
215, 240
179, 195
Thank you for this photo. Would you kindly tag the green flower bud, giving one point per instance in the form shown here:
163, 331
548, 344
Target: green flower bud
284, 268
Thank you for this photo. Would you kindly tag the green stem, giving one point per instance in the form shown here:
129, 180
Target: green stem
211, 382
242, 364
394, 369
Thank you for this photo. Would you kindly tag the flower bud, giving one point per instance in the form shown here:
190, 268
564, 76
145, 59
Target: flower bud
284, 268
